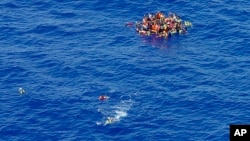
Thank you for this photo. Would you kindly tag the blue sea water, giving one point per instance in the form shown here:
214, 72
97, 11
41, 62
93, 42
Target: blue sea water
65, 54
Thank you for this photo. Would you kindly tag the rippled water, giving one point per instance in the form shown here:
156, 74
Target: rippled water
65, 54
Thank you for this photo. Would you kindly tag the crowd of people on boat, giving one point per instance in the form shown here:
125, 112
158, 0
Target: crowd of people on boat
162, 25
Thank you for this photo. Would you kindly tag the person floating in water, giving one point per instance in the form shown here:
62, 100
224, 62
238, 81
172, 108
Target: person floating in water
129, 24
21, 90
103, 97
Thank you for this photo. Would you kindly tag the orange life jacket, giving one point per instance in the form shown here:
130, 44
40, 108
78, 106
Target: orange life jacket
155, 27
159, 15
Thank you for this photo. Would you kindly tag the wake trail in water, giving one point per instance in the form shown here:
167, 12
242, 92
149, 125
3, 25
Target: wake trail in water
113, 112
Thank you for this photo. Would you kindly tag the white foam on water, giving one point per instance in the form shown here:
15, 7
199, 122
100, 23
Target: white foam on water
117, 112
120, 114
98, 123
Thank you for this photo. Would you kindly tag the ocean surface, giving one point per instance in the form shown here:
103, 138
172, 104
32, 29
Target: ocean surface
65, 54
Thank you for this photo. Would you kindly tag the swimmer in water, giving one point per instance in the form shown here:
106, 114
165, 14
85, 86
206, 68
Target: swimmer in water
21, 90
103, 97
109, 120
129, 24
